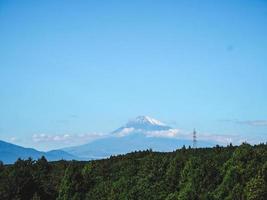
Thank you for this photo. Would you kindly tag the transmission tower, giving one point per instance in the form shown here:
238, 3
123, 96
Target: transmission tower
194, 139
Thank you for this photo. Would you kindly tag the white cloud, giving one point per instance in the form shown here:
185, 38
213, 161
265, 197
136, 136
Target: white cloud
181, 134
211, 137
171, 133
124, 132
71, 139
64, 140
247, 122
254, 122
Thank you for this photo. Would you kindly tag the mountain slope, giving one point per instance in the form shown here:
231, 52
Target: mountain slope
139, 134
141, 124
9, 153
121, 145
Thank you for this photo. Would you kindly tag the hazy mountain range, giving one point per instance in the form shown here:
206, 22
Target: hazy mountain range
139, 134
9, 153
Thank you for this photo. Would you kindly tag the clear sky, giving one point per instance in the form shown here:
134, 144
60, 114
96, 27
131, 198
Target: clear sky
75, 68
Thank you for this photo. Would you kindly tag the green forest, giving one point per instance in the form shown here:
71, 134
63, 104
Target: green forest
232, 172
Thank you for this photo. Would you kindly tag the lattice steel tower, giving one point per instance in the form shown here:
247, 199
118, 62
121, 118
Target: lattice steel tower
194, 139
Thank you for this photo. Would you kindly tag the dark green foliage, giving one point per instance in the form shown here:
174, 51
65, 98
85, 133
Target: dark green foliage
256, 189
230, 173
73, 185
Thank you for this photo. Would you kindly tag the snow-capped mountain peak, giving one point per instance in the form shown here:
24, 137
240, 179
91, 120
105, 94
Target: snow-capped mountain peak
146, 120
144, 125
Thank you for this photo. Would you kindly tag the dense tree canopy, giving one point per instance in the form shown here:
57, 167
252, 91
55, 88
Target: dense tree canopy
208, 173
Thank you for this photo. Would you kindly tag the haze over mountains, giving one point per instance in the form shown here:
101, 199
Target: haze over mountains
9, 153
139, 134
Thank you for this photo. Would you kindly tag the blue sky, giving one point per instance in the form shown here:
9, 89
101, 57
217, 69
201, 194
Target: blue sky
86, 67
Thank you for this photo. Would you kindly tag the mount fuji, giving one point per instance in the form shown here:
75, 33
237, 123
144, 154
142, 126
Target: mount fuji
140, 133
142, 124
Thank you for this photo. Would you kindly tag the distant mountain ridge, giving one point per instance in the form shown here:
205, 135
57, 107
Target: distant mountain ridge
9, 153
143, 123
139, 134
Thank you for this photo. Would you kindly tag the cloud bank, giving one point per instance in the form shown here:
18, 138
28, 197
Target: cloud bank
67, 139
181, 134
255, 123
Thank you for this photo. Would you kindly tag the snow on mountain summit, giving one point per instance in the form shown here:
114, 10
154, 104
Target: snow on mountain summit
146, 120
145, 125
